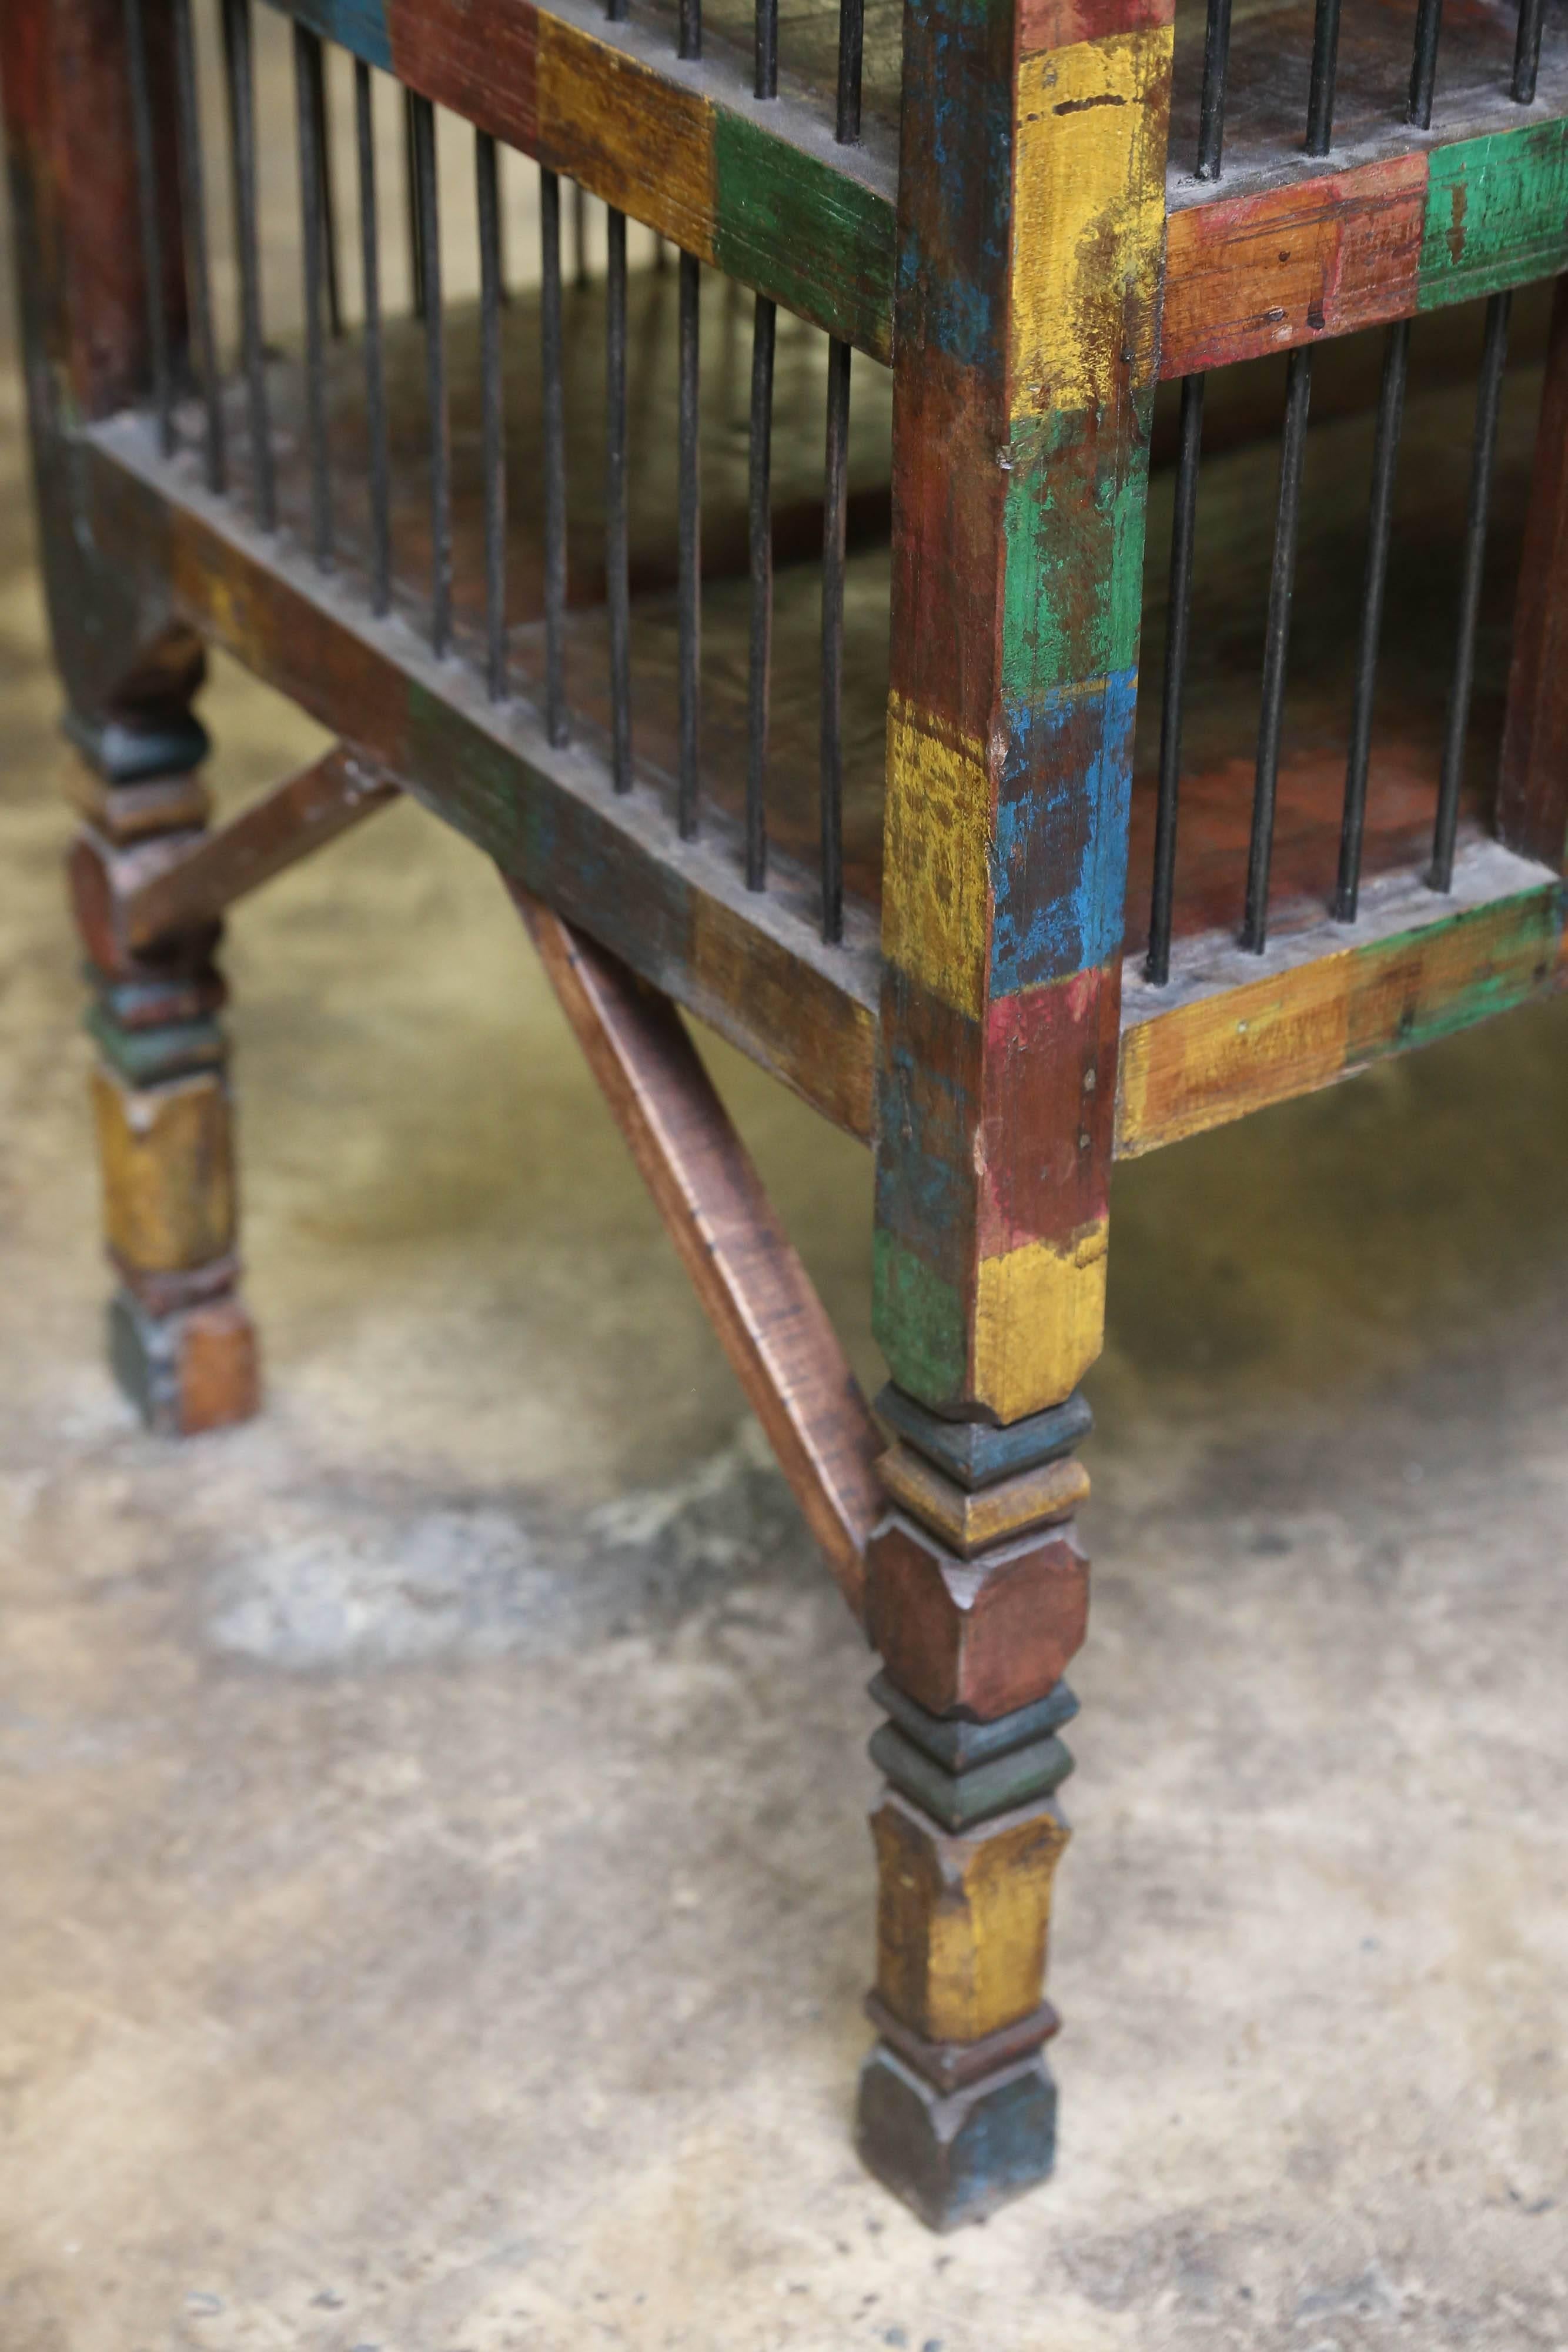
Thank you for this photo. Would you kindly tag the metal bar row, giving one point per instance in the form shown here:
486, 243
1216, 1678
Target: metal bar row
1319, 132
1254, 929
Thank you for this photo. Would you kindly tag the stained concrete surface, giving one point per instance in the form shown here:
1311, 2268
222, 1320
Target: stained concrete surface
434, 1887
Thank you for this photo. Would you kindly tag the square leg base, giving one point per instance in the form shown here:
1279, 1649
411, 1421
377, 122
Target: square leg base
186, 1373
954, 2159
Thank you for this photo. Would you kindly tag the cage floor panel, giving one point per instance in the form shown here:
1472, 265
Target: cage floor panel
1235, 537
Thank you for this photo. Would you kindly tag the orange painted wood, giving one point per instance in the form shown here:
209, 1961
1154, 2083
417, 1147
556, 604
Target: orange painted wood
310, 810
1532, 790
745, 1269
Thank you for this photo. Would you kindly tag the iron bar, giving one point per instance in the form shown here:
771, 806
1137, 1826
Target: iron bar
689, 536
435, 379
1211, 108
761, 549
835, 504
1276, 649
492, 413
1423, 66
151, 227
239, 76
328, 198
617, 560
691, 28
307, 98
415, 226
1325, 68
578, 234
1179, 623
1527, 51
852, 54
1489, 395
553, 454
194, 206
1380, 533
375, 377
766, 46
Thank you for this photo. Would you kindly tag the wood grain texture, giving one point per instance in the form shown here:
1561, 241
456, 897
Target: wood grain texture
166, 1158
752, 1285
1532, 787
285, 826
979, 1638
969, 1521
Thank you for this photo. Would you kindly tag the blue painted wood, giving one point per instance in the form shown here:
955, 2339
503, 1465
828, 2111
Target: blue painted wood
977, 1454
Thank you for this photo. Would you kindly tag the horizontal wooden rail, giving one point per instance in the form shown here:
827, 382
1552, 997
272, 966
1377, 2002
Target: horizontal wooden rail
752, 965
197, 883
753, 1286
757, 188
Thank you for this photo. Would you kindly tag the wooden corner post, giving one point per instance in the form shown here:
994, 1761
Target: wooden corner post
1031, 219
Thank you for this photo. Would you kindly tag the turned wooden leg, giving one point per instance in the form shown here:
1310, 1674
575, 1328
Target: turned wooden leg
977, 1597
180, 1343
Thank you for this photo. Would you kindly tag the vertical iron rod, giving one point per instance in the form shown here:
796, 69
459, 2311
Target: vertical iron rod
241, 90
689, 533
375, 379
307, 96
1489, 394
578, 234
328, 198
416, 227
691, 28
1380, 533
761, 549
553, 418
193, 201
152, 232
1423, 66
492, 412
436, 378
617, 560
1325, 68
1211, 110
767, 77
1527, 51
1276, 649
835, 503
851, 51
1178, 626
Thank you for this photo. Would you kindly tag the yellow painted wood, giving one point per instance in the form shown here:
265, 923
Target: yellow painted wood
936, 830
1089, 219
962, 1921
167, 1171
1040, 1322
968, 1522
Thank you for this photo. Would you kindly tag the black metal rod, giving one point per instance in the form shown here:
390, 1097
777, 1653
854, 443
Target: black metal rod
328, 198
578, 234
760, 662
852, 54
1325, 70
492, 423
617, 560
150, 228
767, 77
553, 453
240, 84
307, 98
1211, 109
436, 378
1379, 537
691, 28
689, 586
1423, 66
1527, 50
415, 226
375, 377
193, 206
1178, 626
1276, 649
1489, 395
835, 506
615, 10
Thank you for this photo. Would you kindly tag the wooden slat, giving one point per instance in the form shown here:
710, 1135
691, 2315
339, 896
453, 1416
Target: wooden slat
763, 195
753, 1286
751, 966
1532, 791
273, 834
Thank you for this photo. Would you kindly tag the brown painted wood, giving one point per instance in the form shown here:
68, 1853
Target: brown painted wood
303, 815
745, 1269
1533, 790
978, 1637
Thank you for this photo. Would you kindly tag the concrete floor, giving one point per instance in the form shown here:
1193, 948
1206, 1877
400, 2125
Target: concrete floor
436, 1892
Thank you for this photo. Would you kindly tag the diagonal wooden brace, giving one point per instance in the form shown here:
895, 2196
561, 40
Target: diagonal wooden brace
758, 1295
186, 883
